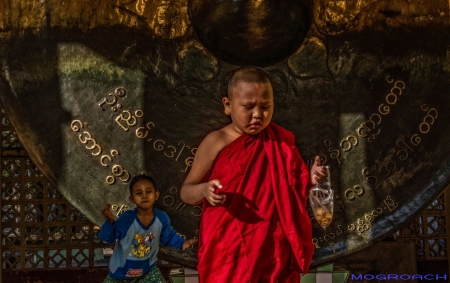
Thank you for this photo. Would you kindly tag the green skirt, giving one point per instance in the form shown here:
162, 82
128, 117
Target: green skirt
152, 276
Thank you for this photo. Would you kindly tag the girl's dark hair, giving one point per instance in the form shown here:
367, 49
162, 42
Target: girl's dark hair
138, 178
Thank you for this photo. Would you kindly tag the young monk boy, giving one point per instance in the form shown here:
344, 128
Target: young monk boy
253, 184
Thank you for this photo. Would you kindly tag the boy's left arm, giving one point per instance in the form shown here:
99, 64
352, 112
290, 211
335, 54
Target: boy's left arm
317, 173
170, 237
189, 242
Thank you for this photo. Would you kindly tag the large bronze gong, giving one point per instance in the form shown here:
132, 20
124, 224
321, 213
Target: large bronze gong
99, 91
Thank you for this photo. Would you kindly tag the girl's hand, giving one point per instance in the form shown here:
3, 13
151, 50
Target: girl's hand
106, 211
188, 243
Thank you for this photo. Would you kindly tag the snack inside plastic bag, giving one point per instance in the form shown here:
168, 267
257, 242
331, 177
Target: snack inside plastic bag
321, 200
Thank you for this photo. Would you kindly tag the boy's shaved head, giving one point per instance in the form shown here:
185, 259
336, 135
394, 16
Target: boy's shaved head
248, 74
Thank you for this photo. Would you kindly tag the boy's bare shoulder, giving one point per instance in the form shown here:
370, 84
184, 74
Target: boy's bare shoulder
207, 152
216, 140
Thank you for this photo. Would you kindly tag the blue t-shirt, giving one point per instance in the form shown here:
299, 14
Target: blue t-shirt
137, 246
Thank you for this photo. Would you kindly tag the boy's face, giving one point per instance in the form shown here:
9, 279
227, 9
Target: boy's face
144, 194
250, 106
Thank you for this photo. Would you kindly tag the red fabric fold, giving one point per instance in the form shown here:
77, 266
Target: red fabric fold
262, 233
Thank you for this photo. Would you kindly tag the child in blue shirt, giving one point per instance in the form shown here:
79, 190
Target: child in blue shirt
137, 234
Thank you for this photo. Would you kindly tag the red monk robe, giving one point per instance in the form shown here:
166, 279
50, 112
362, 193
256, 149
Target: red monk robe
262, 233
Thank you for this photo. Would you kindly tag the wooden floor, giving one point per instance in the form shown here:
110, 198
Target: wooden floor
85, 275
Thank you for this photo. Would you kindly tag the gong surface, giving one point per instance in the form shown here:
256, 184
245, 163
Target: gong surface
247, 32
103, 90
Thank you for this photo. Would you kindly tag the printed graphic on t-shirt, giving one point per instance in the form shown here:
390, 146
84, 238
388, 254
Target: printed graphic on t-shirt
134, 272
142, 245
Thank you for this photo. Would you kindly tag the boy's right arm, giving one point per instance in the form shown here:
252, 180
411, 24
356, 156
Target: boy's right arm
106, 211
106, 233
193, 190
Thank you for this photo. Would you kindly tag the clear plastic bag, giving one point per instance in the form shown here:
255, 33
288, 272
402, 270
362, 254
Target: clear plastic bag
321, 200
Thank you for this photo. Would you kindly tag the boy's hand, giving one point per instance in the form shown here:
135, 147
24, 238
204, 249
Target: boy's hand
106, 211
318, 173
210, 193
188, 243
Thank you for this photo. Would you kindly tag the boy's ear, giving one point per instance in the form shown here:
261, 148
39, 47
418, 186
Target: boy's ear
226, 106
156, 195
131, 199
